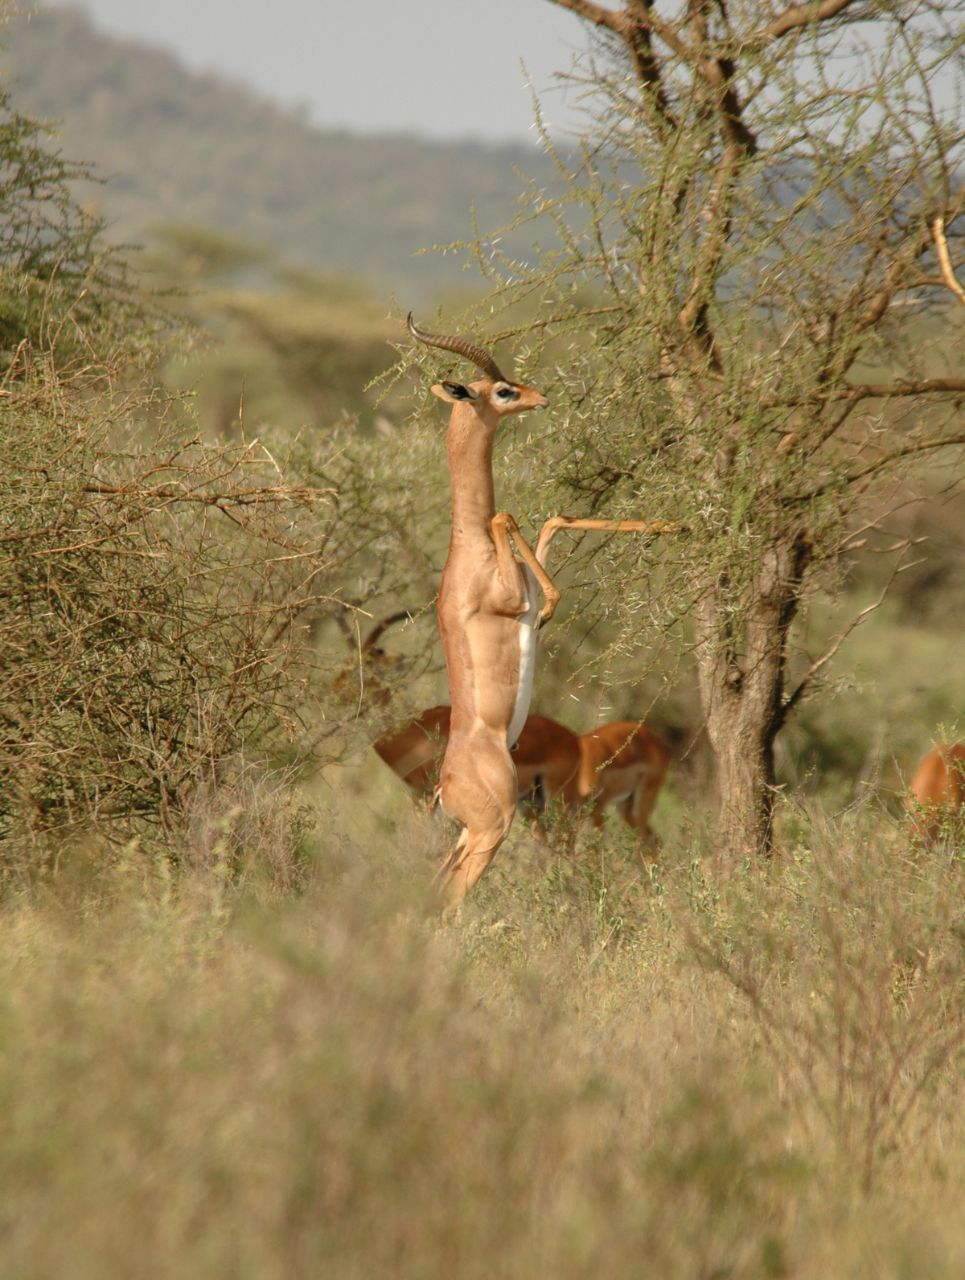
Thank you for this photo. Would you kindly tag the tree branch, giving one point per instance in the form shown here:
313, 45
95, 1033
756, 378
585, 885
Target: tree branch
874, 391
790, 702
635, 31
797, 16
900, 264
228, 497
648, 67
945, 258
909, 451
595, 13
531, 325
924, 446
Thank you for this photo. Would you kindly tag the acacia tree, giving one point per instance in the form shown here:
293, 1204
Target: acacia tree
754, 263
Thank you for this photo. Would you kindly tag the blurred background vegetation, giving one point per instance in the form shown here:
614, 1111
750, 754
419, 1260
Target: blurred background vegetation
188, 148
217, 478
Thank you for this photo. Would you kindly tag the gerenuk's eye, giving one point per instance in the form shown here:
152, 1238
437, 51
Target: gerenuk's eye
507, 393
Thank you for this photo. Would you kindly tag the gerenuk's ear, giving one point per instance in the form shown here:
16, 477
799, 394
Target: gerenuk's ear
454, 392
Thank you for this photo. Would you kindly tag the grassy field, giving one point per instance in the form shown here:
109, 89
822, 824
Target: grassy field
235, 1043
253, 1053
598, 1070
248, 1051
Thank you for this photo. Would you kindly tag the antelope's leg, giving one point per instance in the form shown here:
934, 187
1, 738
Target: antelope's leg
503, 525
466, 863
555, 523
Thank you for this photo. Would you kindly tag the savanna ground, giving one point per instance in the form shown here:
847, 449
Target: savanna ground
244, 1049
271, 1062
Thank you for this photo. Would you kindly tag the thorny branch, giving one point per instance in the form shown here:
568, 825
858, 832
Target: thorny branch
945, 258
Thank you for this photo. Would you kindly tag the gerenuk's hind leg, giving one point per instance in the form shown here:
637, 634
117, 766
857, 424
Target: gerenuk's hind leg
455, 853
478, 789
471, 856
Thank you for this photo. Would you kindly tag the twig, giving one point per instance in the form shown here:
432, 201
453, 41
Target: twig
945, 258
791, 702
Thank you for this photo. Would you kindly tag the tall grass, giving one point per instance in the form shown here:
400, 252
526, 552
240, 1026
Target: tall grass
595, 1071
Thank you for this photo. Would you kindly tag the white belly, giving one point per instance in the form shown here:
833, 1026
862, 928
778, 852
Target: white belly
526, 625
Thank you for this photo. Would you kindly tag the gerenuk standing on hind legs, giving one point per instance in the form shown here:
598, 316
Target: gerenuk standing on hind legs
488, 615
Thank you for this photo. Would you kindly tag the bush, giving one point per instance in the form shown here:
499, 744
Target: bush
150, 593
151, 586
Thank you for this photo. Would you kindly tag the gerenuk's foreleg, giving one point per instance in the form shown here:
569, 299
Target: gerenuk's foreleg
555, 523
503, 525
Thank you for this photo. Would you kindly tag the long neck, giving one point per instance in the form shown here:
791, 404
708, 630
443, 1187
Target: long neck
469, 448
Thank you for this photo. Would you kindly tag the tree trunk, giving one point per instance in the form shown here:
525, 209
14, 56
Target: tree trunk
742, 732
741, 656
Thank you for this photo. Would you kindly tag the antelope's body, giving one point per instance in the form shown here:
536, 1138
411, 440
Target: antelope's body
546, 757
415, 753
623, 763
488, 613
937, 790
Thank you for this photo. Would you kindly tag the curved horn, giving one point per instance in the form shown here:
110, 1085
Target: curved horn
379, 627
461, 346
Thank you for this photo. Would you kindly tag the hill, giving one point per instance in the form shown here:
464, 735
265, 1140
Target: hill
189, 148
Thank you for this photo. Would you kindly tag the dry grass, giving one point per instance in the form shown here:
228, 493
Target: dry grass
594, 1072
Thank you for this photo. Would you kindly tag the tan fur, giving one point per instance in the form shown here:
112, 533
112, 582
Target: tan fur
546, 755
547, 759
415, 752
484, 590
485, 596
623, 763
937, 790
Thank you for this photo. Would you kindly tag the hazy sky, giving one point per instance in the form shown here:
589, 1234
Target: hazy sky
446, 68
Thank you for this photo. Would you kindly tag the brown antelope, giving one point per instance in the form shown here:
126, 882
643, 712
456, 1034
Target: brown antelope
623, 763
415, 753
546, 756
488, 615
937, 790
